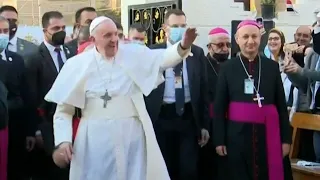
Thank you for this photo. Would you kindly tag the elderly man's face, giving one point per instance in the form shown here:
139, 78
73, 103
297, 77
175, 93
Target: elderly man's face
219, 45
303, 36
248, 38
106, 37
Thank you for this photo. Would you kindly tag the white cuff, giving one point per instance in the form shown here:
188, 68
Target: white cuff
62, 124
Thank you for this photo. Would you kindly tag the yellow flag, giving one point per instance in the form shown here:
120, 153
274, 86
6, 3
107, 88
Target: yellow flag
252, 5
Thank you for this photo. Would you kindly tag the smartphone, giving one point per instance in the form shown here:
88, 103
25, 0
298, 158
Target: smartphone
259, 20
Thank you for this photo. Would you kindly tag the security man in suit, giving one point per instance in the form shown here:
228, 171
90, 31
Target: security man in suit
18, 45
83, 17
178, 107
42, 69
12, 65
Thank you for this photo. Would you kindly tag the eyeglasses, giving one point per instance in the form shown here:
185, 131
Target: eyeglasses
274, 38
221, 45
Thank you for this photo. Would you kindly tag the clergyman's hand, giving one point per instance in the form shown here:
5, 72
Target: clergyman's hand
221, 150
204, 137
62, 155
30, 143
189, 36
285, 149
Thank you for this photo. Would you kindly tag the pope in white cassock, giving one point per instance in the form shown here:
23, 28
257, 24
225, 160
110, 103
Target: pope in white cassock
115, 138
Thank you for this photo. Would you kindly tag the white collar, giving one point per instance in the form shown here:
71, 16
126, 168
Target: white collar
98, 56
3, 54
14, 40
50, 47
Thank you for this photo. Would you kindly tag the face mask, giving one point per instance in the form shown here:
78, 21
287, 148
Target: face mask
4, 40
12, 29
138, 42
220, 57
58, 38
176, 34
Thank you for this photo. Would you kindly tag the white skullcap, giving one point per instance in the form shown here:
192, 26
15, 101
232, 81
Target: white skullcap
96, 22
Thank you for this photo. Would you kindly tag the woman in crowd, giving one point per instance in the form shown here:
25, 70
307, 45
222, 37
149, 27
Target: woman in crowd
274, 51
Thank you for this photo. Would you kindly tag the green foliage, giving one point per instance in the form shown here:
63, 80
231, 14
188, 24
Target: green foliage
268, 2
113, 14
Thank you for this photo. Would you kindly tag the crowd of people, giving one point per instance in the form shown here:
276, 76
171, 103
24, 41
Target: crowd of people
103, 105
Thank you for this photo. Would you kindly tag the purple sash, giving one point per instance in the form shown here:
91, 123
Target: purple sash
3, 153
268, 115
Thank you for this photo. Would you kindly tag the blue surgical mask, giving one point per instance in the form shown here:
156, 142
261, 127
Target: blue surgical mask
4, 41
138, 42
176, 34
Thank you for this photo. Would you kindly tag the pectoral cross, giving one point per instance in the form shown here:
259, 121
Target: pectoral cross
105, 98
258, 98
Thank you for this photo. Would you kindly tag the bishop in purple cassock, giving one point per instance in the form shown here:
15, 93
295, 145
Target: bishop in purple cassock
255, 135
3, 131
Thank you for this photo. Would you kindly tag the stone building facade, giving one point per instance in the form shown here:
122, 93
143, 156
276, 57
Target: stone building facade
31, 11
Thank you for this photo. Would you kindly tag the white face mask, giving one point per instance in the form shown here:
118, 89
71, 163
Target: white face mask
4, 41
138, 42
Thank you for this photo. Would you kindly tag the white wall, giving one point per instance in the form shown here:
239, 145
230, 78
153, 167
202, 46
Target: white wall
207, 14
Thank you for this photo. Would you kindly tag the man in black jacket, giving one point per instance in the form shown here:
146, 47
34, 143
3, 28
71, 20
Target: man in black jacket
42, 69
178, 107
13, 77
3, 130
83, 17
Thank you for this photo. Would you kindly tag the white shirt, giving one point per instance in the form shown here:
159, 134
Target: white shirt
12, 46
3, 54
169, 90
54, 54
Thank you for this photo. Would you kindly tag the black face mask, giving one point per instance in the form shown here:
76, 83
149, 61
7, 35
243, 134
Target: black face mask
58, 38
220, 57
12, 28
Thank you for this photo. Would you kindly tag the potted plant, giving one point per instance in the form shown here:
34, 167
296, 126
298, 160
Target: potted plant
268, 9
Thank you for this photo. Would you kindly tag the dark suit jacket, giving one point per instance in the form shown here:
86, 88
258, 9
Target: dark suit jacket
73, 45
197, 75
41, 74
25, 47
18, 92
3, 106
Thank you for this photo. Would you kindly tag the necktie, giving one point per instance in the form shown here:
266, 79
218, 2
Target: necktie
9, 44
60, 61
179, 92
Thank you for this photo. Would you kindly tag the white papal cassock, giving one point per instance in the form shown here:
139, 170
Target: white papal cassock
116, 142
